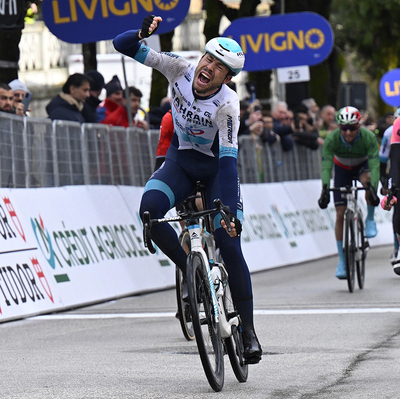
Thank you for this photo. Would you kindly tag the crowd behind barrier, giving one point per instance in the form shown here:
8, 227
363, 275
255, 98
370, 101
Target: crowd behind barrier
36, 152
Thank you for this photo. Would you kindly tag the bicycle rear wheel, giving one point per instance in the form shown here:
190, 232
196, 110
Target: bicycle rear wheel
208, 336
361, 254
349, 249
234, 344
185, 318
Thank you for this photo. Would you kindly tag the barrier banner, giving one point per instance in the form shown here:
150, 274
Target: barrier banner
63, 247
78, 245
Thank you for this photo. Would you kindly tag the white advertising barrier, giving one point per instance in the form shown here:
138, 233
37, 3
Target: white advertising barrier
284, 225
66, 247
72, 246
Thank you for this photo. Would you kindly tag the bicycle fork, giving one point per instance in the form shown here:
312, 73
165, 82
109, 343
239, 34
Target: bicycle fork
214, 279
195, 238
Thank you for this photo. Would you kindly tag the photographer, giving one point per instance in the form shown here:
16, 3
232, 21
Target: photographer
304, 133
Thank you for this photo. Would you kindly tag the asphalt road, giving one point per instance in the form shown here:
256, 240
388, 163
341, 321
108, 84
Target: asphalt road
319, 341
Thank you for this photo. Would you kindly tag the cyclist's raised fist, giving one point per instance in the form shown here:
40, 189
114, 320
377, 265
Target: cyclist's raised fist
149, 26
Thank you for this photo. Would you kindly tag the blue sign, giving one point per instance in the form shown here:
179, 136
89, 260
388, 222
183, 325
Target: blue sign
280, 41
389, 88
86, 21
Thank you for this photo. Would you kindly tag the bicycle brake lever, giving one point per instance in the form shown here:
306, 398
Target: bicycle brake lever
224, 212
146, 233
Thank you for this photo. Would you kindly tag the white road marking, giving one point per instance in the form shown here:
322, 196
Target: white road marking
258, 312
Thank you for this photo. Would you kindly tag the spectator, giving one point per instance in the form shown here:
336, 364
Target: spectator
304, 133
249, 113
6, 99
313, 111
21, 97
383, 123
68, 105
281, 126
166, 133
157, 113
119, 117
115, 96
370, 123
263, 130
328, 113
96, 86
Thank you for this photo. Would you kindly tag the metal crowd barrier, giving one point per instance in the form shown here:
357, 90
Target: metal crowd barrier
36, 152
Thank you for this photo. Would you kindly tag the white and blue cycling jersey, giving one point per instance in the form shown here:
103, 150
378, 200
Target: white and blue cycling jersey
208, 125
384, 150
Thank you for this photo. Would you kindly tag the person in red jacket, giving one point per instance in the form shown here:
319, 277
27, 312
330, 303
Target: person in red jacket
166, 132
119, 117
115, 94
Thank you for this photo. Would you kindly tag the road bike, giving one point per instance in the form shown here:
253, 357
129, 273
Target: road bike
183, 313
355, 242
216, 323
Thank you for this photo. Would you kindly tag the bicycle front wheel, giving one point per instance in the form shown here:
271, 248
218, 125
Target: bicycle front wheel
349, 249
361, 254
234, 344
208, 336
184, 316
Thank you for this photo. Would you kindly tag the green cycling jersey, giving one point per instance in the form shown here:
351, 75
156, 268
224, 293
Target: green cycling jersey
349, 155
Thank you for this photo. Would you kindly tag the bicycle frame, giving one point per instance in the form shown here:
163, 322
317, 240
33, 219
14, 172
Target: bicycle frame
197, 234
355, 243
213, 274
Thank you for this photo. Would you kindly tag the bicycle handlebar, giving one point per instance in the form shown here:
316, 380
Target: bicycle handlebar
148, 222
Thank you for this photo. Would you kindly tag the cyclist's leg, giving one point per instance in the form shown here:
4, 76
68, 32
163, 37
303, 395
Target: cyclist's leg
370, 224
167, 186
239, 279
342, 178
396, 263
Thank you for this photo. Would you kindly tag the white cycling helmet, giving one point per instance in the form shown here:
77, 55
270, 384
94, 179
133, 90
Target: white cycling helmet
348, 116
396, 113
227, 51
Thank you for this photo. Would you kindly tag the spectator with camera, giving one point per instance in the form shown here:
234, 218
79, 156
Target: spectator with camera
282, 126
304, 133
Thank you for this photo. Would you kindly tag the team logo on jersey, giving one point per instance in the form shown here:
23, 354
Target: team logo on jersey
216, 103
194, 132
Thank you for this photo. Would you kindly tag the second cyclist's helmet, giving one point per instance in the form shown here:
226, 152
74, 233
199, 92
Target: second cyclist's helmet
227, 51
348, 116
396, 113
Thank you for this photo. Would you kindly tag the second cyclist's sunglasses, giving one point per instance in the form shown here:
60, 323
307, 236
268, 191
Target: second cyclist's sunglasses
352, 128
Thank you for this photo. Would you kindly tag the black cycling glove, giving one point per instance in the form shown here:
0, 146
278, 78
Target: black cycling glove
373, 197
236, 221
324, 198
146, 26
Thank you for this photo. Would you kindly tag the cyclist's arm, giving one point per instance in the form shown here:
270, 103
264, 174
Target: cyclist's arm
169, 64
227, 120
327, 160
373, 160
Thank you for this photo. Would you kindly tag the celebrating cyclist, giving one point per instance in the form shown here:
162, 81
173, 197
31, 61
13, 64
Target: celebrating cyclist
203, 148
353, 152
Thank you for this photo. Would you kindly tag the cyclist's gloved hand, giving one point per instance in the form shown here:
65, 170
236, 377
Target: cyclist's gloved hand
325, 197
145, 32
236, 221
373, 197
